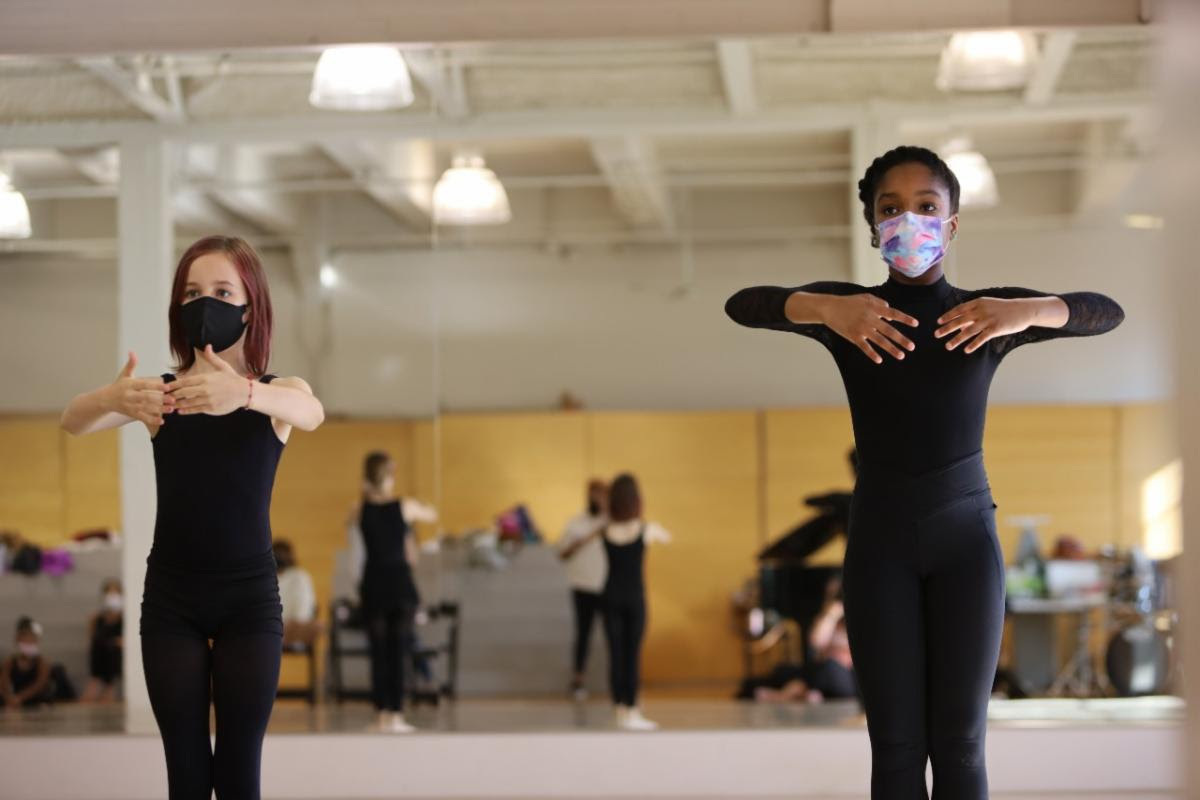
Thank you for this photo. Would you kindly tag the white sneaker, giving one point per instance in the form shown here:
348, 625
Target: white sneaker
397, 724
622, 715
634, 721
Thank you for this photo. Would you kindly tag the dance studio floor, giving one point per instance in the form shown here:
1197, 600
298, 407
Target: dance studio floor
507, 749
547, 716
550, 716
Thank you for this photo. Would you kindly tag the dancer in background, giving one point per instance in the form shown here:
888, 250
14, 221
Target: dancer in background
583, 553
625, 538
106, 643
388, 589
924, 574
218, 426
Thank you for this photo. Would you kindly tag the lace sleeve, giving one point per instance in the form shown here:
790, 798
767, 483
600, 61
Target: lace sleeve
762, 307
1088, 314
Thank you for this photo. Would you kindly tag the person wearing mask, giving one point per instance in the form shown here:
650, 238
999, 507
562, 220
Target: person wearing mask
105, 648
388, 590
211, 626
297, 597
25, 679
924, 573
583, 553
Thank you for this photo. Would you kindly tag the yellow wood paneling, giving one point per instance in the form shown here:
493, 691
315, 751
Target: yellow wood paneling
707, 476
489, 462
1060, 461
699, 474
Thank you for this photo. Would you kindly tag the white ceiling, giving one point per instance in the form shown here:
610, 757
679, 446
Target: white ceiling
613, 135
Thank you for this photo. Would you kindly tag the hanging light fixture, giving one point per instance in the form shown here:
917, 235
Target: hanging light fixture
14, 211
361, 77
470, 194
985, 61
976, 180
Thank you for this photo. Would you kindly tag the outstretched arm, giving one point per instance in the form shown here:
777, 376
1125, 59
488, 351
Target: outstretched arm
124, 400
1015, 316
289, 402
821, 310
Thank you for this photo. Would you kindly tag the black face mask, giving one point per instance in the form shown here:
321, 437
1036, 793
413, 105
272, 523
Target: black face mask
207, 320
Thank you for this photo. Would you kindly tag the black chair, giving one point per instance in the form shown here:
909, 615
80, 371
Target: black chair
346, 621
308, 651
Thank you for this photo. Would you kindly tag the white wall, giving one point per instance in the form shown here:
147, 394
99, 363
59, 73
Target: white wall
519, 326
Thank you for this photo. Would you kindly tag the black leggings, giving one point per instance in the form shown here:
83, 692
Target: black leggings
238, 674
587, 606
390, 637
924, 597
244, 674
624, 626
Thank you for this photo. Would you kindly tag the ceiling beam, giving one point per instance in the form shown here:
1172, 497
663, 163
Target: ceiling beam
191, 208
266, 209
1056, 52
325, 128
140, 93
634, 177
375, 167
735, 58
85, 26
441, 74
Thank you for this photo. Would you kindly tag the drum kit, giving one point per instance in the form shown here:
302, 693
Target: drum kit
1141, 657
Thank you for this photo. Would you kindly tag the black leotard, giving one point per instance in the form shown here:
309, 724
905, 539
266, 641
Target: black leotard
625, 616
927, 410
387, 580
210, 578
923, 576
214, 476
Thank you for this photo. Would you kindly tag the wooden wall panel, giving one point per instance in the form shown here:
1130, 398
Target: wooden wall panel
699, 474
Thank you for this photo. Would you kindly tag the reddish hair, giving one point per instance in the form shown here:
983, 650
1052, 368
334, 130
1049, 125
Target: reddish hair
257, 346
624, 498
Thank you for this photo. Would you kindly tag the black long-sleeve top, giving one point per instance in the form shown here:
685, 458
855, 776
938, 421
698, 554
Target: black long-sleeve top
927, 410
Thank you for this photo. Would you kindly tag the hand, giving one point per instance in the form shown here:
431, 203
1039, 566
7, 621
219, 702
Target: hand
139, 398
863, 320
217, 393
980, 320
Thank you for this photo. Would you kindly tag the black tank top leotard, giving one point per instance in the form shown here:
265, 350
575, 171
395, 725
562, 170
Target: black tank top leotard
626, 583
928, 410
387, 581
215, 475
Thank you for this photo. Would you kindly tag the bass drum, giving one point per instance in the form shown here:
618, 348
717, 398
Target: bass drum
1138, 660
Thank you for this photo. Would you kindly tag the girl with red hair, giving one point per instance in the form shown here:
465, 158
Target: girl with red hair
211, 625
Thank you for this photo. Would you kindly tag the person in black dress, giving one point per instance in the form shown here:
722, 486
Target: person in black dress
924, 574
211, 625
388, 590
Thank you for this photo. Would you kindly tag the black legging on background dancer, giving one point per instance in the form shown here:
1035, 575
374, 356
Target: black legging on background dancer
218, 429
924, 574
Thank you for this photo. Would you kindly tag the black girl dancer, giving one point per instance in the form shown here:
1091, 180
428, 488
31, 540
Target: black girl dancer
388, 590
218, 426
924, 574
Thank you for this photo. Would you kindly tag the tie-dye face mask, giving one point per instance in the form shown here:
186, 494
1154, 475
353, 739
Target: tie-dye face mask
911, 243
